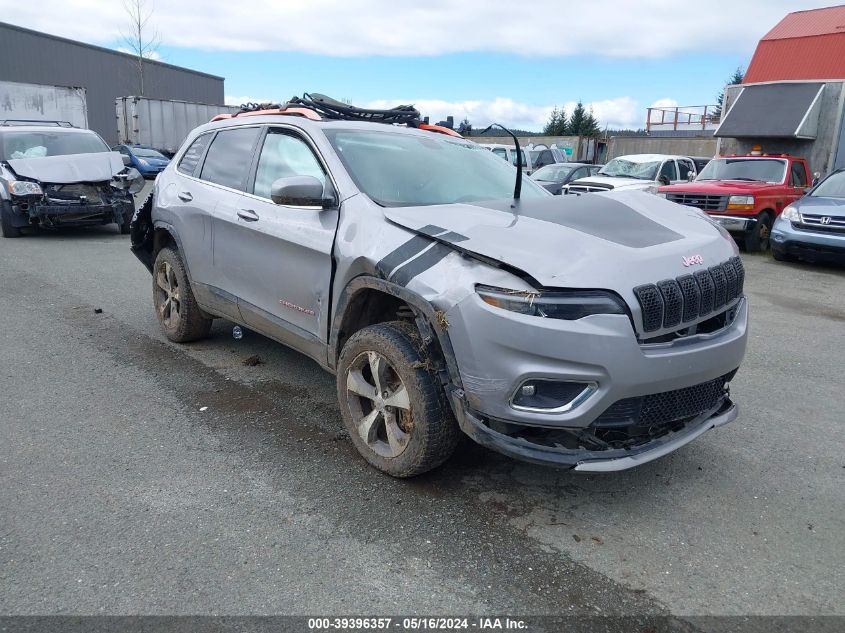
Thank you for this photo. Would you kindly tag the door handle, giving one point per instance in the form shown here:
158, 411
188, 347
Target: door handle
247, 214
185, 196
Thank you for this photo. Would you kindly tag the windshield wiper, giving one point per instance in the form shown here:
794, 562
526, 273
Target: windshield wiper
747, 179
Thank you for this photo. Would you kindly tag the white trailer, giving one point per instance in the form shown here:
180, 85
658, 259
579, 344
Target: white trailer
36, 102
160, 123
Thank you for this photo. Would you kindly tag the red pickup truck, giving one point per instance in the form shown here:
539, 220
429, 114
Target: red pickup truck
745, 193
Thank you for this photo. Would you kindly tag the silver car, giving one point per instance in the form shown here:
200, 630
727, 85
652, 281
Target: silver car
593, 333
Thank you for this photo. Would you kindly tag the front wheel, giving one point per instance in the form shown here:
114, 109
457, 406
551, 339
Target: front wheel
393, 406
179, 316
7, 226
757, 239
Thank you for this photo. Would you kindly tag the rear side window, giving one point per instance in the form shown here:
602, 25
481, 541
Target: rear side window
188, 163
228, 159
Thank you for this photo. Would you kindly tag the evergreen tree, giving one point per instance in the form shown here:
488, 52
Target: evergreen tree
736, 78
552, 124
590, 128
576, 121
563, 124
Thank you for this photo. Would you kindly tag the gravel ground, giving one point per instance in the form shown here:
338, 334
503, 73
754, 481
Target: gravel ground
145, 477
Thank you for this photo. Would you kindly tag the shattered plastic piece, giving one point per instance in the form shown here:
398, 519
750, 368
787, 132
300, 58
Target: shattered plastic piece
203, 408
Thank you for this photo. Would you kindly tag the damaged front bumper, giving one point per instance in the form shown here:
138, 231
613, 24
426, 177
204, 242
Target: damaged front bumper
50, 213
529, 449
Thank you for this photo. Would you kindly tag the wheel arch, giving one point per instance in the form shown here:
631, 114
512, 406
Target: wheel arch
359, 306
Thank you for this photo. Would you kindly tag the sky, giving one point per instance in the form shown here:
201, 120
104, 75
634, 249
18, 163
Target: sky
489, 60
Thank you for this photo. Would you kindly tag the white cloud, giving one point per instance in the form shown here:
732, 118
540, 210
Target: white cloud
622, 112
624, 28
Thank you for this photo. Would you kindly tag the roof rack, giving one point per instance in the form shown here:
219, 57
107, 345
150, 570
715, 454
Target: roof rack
15, 122
317, 107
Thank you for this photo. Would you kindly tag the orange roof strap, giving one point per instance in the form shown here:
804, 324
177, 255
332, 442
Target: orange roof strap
440, 129
303, 112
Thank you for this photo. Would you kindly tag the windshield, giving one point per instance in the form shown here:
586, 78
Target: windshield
552, 173
399, 170
147, 153
757, 169
620, 167
53, 143
831, 187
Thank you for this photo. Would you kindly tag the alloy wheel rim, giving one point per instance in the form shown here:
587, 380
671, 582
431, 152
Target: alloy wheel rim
380, 405
168, 295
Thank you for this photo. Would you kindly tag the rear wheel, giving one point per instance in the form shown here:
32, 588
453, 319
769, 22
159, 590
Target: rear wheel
7, 226
392, 405
179, 316
757, 239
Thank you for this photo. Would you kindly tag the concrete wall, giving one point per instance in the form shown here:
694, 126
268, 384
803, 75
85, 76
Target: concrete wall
820, 152
32, 57
681, 146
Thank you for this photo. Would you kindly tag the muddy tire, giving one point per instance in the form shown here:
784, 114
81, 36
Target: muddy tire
757, 239
393, 406
179, 316
7, 226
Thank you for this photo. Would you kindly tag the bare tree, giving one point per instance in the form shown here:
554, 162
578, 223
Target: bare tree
141, 40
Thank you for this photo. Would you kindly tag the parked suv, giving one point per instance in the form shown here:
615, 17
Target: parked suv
643, 172
595, 333
57, 175
745, 193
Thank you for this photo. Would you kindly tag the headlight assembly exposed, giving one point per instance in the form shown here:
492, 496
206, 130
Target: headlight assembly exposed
131, 179
24, 188
791, 214
558, 304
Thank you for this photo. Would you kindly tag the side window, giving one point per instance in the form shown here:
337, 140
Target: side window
545, 158
685, 167
594, 169
798, 176
229, 157
284, 155
501, 152
668, 170
188, 162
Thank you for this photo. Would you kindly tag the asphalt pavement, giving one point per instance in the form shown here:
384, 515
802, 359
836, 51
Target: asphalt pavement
141, 476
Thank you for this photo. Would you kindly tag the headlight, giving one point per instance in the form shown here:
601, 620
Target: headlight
791, 214
741, 202
143, 162
24, 188
564, 304
130, 179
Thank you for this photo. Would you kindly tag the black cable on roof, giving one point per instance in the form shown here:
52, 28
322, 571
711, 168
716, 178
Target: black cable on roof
331, 109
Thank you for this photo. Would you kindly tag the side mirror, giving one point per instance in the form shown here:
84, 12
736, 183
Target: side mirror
663, 180
299, 191
126, 160
690, 176
816, 177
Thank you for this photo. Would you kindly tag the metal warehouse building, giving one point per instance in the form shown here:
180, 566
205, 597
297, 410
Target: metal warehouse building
793, 96
31, 57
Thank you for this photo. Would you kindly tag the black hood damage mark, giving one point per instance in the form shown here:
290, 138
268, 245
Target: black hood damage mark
595, 215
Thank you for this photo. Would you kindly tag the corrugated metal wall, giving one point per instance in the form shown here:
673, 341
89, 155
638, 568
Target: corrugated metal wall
32, 57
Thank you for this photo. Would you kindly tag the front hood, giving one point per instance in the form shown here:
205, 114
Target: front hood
97, 167
614, 241
723, 187
614, 183
834, 207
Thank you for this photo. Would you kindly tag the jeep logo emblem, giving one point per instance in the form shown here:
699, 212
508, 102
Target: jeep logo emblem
692, 260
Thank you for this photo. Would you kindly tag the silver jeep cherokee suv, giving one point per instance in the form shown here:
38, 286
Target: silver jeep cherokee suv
591, 332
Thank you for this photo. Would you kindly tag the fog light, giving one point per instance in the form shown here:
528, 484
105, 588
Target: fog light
551, 396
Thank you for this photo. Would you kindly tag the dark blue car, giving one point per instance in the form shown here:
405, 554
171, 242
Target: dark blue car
146, 160
813, 227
